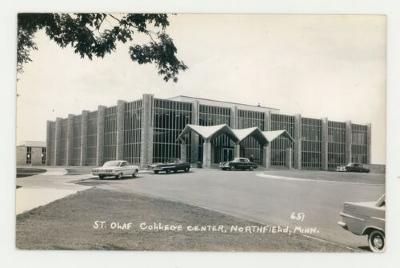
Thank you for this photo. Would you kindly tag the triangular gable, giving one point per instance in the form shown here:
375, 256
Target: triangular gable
207, 132
243, 133
272, 135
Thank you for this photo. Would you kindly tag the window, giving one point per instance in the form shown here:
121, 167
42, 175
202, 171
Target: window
311, 143
133, 131
43, 155
170, 118
336, 144
250, 146
28, 155
280, 145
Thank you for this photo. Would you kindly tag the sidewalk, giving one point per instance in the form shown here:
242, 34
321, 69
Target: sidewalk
41, 189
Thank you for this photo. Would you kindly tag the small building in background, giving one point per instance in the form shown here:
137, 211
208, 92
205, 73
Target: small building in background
31, 153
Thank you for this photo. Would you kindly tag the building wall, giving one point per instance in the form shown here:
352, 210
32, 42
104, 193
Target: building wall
146, 130
311, 143
170, 118
91, 139
279, 146
37, 155
133, 113
21, 155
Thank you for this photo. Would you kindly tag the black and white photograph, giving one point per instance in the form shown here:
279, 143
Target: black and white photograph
201, 132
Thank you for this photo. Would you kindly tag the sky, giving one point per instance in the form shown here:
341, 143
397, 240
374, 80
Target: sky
330, 66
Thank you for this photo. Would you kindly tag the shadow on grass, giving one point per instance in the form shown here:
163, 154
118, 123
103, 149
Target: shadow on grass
29, 171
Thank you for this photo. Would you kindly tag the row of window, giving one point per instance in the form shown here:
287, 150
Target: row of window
280, 145
28, 157
170, 117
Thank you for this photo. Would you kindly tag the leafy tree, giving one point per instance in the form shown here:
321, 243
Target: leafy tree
96, 34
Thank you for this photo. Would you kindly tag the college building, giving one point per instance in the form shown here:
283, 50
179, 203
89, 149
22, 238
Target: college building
151, 130
31, 153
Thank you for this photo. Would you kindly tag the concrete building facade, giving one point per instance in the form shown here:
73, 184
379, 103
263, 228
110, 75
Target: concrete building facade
148, 130
31, 153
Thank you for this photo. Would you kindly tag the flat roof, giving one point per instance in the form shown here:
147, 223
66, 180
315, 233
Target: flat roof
224, 103
32, 143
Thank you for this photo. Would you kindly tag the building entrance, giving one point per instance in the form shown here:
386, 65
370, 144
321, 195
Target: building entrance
226, 154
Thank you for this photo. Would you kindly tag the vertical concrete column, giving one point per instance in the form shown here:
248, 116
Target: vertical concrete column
194, 143
120, 129
267, 121
267, 147
84, 120
49, 142
183, 152
267, 155
146, 152
349, 137
289, 160
70, 141
207, 154
237, 150
324, 144
234, 117
297, 141
369, 144
100, 135
57, 144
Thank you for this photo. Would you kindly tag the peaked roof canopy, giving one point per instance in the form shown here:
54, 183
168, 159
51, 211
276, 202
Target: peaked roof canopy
272, 135
208, 132
252, 131
237, 135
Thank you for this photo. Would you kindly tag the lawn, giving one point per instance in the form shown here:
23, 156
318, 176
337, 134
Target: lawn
29, 171
69, 223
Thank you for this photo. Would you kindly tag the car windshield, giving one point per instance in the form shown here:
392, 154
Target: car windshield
112, 164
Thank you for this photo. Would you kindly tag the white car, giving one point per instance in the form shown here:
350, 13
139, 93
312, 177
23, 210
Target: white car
117, 169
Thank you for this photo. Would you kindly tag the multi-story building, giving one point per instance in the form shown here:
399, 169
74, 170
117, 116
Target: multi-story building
150, 130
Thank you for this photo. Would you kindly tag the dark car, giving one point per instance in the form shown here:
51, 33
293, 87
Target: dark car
175, 166
352, 167
238, 163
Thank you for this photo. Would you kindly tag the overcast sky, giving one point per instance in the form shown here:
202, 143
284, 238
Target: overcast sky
319, 66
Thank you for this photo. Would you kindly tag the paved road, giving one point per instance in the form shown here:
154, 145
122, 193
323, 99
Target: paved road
266, 197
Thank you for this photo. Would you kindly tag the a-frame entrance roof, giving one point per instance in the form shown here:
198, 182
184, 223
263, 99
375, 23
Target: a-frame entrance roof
272, 135
209, 132
237, 135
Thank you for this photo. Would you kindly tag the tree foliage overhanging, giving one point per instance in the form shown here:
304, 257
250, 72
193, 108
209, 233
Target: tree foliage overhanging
96, 34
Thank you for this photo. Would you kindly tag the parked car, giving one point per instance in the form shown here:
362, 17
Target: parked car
117, 169
177, 165
352, 167
366, 218
238, 163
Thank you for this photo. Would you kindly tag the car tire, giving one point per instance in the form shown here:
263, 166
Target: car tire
119, 176
376, 241
155, 171
134, 174
251, 168
175, 170
167, 171
101, 177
